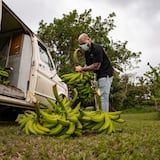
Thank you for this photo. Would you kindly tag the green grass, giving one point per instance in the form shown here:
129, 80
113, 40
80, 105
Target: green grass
140, 109
136, 139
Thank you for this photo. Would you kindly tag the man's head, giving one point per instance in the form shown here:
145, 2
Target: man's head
84, 41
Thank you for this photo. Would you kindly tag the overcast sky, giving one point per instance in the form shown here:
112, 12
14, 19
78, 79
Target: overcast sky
137, 21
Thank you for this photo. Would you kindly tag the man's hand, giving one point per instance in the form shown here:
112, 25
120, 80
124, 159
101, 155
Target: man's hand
78, 68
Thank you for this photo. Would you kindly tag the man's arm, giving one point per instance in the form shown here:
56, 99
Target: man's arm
92, 67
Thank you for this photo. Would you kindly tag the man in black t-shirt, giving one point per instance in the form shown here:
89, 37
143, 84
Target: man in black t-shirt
97, 61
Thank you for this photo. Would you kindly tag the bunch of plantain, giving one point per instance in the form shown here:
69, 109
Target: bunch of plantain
73, 122
30, 125
4, 76
58, 119
100, 121
83, 82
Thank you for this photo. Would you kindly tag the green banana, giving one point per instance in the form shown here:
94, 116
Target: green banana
71, 128
41, 127
30, 127
56, 130
49, 125
83, 91
73, 118
43, 105
4, 73
76, 109
64, 100
54, 88
27, 127
120, 120
48, 117
98, 125
74, 98
85, 118
75, 76
89, 125
64, 136
78, 132
67, 75
88, 113
115, 113
98, 117
22, 120
107, 123
52, 103
110, 129
79, 125
75, 56
37, 130
114, 117
64, 122
63, 131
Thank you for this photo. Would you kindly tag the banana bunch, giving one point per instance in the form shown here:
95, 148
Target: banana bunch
29, 124
62, 124
57, 125
82, 81
100, 121
4, 76
58, 119
68, 123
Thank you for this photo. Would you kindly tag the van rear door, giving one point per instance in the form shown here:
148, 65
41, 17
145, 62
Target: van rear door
46, 70
47, 75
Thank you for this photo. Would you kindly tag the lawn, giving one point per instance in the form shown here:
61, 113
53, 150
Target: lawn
136, 139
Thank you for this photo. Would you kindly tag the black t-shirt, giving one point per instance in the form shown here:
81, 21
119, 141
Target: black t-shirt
97, 54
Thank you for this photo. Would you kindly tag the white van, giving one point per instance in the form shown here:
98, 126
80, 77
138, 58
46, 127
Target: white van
31, 67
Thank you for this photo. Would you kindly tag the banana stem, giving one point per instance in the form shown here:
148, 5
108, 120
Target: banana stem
57, 97
74, 98
37, 107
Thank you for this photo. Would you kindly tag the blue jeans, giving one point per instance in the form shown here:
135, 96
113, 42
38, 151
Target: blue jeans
104, 84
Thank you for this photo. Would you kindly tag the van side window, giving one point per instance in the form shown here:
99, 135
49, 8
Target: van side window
44, 56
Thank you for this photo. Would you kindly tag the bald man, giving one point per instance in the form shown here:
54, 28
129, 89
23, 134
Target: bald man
98, 62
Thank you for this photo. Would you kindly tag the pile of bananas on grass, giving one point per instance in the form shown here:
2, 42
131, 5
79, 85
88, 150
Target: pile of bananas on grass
56, 119
4, 76
65, 118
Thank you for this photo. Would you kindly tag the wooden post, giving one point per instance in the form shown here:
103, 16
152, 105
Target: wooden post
95, 94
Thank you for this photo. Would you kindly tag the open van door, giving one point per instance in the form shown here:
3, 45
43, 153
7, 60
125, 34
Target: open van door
0, 13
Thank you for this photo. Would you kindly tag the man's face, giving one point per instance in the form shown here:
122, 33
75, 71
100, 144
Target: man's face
84, 43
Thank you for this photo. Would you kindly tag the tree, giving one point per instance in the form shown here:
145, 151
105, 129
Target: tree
137, 93
153, 78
